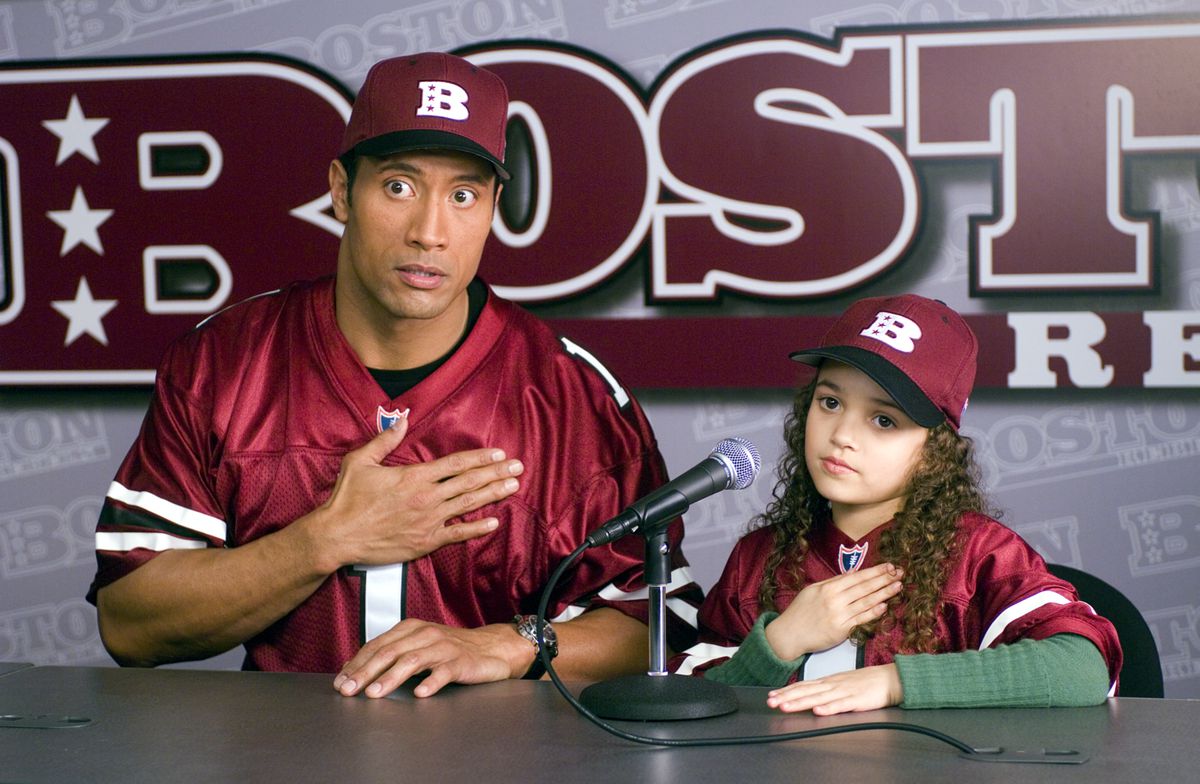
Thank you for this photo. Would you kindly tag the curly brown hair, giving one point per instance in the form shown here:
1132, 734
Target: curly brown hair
944, 485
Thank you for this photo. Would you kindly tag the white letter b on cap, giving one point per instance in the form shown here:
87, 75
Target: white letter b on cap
893, 330
443, 99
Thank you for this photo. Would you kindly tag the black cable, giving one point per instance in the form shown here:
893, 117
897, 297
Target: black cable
745, 740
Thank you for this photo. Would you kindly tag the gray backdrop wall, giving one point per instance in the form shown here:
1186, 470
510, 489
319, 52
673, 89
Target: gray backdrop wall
1106, 481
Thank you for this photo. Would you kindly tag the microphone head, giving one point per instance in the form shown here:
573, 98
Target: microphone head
742, 458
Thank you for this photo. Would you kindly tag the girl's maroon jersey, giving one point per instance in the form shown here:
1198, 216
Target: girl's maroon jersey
253, 411
997, 591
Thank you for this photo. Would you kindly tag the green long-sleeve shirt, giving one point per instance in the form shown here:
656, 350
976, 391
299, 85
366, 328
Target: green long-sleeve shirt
1062, 670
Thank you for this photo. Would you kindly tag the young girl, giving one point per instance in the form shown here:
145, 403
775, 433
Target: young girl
878, 551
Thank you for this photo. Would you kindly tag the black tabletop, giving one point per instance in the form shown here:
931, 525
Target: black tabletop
105, 724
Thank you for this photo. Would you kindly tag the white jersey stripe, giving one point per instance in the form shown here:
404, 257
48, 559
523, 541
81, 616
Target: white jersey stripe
572, 611
685, 612
171, 512
682, 609
1018, 610
679, 578
842, 657
124, 541
702, 653
382, 598
619, 393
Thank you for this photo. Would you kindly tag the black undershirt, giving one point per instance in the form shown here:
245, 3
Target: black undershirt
396, 382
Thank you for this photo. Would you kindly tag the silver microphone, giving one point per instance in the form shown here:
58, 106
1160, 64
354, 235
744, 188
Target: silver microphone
732, 463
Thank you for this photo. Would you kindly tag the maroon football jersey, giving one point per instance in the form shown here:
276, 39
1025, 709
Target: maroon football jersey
253, 411
997, 591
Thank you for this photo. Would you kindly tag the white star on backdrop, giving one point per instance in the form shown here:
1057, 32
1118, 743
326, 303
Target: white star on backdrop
76, 133
80, 224
84, 314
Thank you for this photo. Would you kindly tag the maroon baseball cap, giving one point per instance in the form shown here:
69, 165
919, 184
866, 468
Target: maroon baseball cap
429, 101
919, 350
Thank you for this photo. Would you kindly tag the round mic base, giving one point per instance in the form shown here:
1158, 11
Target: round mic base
658, 698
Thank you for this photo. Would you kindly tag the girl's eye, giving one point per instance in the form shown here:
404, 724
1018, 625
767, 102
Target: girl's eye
463, 198
828, 403
885, 422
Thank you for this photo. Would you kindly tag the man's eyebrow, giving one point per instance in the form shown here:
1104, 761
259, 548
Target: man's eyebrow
393, 164
404, 167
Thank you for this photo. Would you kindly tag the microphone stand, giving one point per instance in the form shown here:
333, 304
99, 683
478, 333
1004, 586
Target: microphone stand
658, 695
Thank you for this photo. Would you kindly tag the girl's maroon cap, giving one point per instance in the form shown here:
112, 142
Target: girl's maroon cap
919, 350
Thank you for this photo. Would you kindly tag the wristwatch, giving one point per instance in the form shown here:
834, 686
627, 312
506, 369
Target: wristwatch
526, 626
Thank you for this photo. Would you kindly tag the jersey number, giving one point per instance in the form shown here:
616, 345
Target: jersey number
382, 603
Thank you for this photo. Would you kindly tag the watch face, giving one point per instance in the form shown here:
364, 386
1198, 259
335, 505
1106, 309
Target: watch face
550, 636
527, 627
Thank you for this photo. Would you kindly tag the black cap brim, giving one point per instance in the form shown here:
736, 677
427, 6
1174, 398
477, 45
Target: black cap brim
404, 141
907, 395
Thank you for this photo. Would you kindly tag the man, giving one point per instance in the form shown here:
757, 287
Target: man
373, 475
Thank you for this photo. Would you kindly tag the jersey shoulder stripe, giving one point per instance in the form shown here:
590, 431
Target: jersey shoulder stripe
618, 392
115, 518
227, 308
124, 541
1018, 610
171, 512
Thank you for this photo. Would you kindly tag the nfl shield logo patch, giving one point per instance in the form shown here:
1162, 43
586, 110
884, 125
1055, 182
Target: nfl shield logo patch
850, 558
385, 419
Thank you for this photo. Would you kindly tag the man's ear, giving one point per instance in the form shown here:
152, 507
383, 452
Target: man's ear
339, 190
